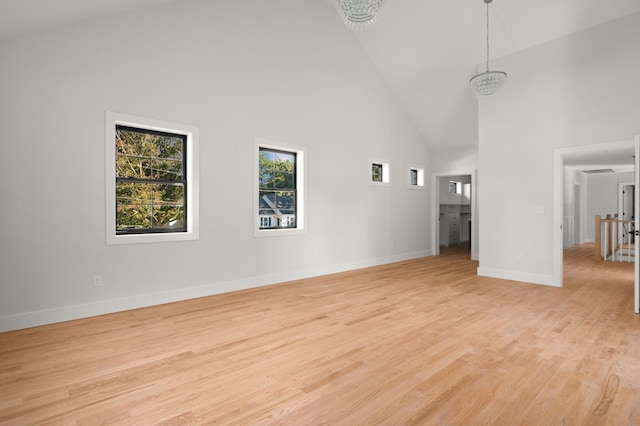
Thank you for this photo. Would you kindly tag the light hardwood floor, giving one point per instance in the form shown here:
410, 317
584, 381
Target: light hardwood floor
417, 342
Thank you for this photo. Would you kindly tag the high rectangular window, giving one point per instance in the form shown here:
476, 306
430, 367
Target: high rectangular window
455, 188
416, 177
376, 172
413, 177
379, 172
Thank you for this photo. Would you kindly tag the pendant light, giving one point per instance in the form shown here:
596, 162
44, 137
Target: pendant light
358, 14
488, 82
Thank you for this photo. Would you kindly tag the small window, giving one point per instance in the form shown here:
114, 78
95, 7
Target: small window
151, 180
416, 177
413, 177
379, 173
279, 189
455, 188
376, 172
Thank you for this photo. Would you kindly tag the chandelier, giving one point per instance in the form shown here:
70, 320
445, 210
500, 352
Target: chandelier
358, 14
488, 82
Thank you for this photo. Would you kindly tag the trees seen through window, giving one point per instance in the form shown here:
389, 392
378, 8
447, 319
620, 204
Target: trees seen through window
150, 181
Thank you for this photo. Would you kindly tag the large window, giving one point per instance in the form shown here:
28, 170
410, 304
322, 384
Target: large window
151, 180
151, 184
280, 189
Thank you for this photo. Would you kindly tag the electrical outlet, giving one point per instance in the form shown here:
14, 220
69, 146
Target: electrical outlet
520, 257
97, 280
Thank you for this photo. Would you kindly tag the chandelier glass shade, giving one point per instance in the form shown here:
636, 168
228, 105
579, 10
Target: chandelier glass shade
358, 14
488, 82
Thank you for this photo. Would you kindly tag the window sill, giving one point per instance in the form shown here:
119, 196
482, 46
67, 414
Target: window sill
278, 232
151, 238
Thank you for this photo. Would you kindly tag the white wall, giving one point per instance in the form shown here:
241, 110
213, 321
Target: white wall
577, 90
236, 72
455, 160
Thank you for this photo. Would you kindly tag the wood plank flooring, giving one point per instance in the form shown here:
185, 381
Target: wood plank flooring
422, 342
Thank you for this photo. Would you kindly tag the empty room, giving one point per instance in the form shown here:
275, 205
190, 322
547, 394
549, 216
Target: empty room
306, 212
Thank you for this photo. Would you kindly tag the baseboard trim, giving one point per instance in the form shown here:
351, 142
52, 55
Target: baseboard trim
525, 277
103, 307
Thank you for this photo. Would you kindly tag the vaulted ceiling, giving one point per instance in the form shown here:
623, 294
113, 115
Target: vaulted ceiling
426, 50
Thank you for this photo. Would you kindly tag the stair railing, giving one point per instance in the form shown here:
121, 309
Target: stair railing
613, 238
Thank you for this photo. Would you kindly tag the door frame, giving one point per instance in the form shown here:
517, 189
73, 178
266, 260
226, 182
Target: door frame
577, 214
621, 186
558, 199
636, 279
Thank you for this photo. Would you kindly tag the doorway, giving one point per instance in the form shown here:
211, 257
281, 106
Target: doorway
454, 207
614, 155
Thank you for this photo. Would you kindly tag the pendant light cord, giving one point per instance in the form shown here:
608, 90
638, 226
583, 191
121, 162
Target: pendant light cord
487, 36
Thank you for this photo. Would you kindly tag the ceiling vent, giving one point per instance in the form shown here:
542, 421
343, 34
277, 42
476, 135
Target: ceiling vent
598, 171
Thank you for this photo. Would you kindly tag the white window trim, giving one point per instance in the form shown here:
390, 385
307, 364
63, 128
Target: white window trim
386, 175
301, 188
420, 170
111, 120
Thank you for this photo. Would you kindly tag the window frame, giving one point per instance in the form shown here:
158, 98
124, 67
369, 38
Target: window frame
457, 185
114, 119
150, 181
300, 187
377, 172
386, 179
419, 177
293, 188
